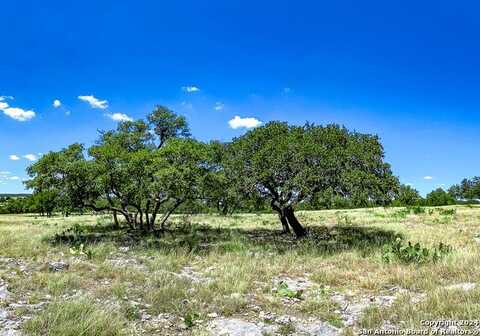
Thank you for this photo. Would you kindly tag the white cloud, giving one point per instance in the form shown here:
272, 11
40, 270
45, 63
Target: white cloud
94, 102
14, 178
238, 122
428, 177
57, 103
14, 157
119, 117
16, 113
30, 157
191, 88
219, 106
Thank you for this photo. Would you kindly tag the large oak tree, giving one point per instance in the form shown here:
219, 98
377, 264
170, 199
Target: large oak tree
137, 170
289, 164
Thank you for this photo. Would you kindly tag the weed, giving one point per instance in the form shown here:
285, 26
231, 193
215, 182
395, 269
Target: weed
189, 319
81, 251
414, 253
447, 212
284, 291
417, 210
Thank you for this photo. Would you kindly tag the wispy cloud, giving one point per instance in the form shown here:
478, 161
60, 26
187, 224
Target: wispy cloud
238, 122
219, 106
190, 88
30, 157
13, 157
6, 176
94, 102
119, 117
287, 90
187, 105
428, 177
16, 113
57, 103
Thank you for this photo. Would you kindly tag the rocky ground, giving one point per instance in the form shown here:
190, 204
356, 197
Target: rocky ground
14, 310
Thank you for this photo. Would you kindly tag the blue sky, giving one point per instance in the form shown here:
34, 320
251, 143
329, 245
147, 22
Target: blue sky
406, 70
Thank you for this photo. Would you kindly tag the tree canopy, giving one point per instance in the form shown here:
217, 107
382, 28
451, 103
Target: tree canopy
289, 164
147, 168
439, 197
468, 189
136, 170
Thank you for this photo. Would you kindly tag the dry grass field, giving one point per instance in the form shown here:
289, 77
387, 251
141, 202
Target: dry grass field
236, 275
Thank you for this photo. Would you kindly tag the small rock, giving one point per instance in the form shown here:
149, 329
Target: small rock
56, 266
212, 315
318, 329
4, 293
237, 327
466, 286
285, 319
268, 317
236, 296
295, 284
124, 249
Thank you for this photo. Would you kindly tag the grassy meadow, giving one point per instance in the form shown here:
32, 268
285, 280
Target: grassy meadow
347, 273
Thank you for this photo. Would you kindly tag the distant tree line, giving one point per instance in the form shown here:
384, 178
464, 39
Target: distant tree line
41, 203
467, 190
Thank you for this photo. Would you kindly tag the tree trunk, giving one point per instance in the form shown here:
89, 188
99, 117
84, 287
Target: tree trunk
281, 216
115, 220
168, 213
294, 223
283, 219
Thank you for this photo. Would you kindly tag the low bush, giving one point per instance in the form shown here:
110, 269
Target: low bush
414, 253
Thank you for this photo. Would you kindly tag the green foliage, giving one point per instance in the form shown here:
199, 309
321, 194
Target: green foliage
407, 196
414, 253
289, 165
439, 197
81, 251
284, 291
468, 189
417, 210
447, 212
190, 318
137, 171
166, 124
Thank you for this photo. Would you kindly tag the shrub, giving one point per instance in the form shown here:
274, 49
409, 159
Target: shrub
284, 291
447, 212
417, 210
414, 253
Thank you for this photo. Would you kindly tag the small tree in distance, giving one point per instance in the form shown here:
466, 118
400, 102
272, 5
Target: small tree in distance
439, 197
407, 196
